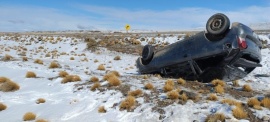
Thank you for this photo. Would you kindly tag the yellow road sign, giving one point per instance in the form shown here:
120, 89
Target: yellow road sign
127, 27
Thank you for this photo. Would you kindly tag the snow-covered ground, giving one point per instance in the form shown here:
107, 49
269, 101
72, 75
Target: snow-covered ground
64, 102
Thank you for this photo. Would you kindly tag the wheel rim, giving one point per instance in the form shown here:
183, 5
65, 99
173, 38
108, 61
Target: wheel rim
217, 24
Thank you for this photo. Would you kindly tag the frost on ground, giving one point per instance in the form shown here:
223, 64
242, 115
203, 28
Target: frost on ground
77, 96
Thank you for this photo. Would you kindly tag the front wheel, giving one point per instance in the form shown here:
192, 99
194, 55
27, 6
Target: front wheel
147, 54
218, 24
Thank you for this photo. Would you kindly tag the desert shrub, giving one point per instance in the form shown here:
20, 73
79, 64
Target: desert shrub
41, 120
40, 100
215, 117
7, 57
101, 67
95, 61
114, 81
111, 74
2, 106
217, 82
184, 97
48, 55
38, 61
94, 79
72, 58
29, 116
266, 102
102, 109
231, 102
247, 88
6, 85
181, 81
219, 89
95, 86
169, 85
24, 59
173, 94
235, 83
253, 101
135, 93
54, 65
63, 74
239, 113
128, 103
149, 86
30, 74
71, 78
212, 97
116, 73
117, 58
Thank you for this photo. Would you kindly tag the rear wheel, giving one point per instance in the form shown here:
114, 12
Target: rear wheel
218, 24
147, 54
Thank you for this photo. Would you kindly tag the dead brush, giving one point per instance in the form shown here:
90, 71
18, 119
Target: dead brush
181, 81
62, 74
2, 106
135, 93
219, 89
111, 74
102, 109
215, 117
29, 116
231, 102
239, 113
128, 103
72, 58
114, 81
217, 82
24, 59
101, 67
71, 78
7, 57
169, 85
236, 83
40, 100
54, 65
266, 102
184, 97
94, 79
30, 74
6, 85
247, 88
117, 58
255, 103
41, 120
212, 97
173, 94
95, 86
38, 61
149, 86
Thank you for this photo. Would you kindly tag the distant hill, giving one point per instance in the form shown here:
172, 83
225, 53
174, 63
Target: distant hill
260, 26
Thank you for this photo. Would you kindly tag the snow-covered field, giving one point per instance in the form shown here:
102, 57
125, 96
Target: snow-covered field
75, 102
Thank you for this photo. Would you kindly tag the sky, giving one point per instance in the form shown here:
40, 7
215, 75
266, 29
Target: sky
157, 15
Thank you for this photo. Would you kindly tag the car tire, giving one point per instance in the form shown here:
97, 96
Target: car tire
147, 54
218, 24
212, 73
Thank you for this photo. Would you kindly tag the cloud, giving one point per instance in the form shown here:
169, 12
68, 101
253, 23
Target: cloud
25, 18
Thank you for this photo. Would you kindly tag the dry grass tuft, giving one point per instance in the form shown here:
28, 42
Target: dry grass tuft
236, 83
117, 58
6, 85
239, 113
215, 117
184, 97
253, 101
101, 67
217, 82
71, 78
212, 97
40, 100
30, 74
72, 58
63, 74
95, 86
54, 65
173, 94
135, 93
38, 61
102, 109
219, 89
94, 79
258, 107
169, 85
247, 88
24, 59
29, 116
232, 102
7, 57
149, 86
181, 81
114, 81
266, 102
116, 73
41, 120
2, 106
128, 103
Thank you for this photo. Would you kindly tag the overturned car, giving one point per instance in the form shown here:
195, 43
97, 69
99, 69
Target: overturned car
220, 52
